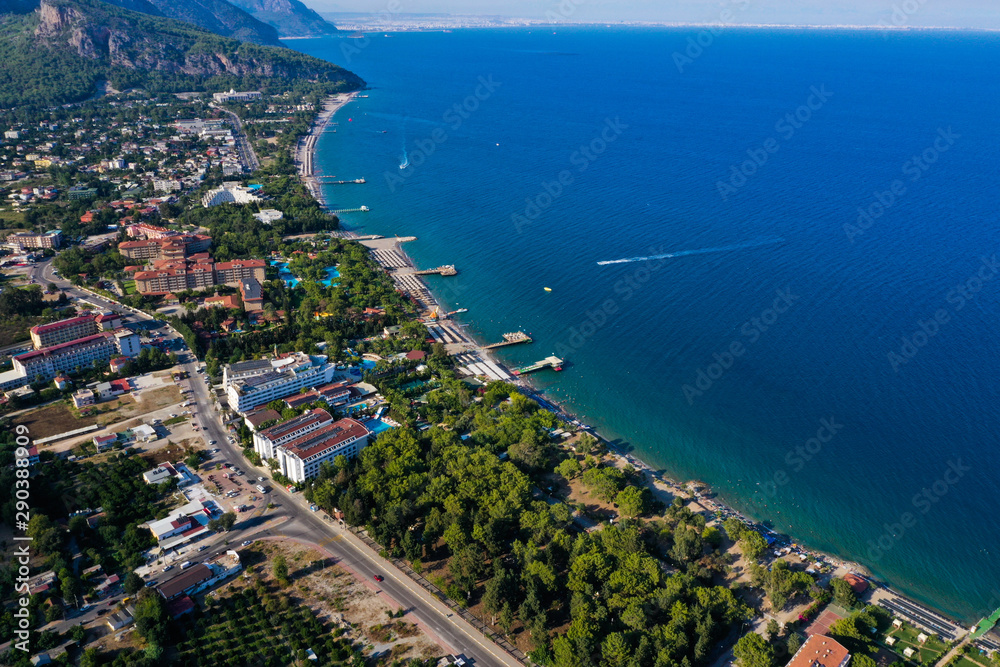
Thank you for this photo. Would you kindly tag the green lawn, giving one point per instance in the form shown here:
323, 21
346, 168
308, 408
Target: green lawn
927, 653
175, 420
130, 287
973, 659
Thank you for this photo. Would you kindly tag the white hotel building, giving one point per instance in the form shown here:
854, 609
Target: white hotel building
248, 388
300, 459
265, 442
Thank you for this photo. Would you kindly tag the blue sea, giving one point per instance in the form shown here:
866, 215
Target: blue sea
814, 333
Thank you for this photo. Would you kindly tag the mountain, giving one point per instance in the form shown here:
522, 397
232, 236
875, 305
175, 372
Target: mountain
290, 17
143, 6
219, 16
59, 53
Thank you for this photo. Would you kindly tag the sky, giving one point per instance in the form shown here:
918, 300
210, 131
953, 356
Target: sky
915, 13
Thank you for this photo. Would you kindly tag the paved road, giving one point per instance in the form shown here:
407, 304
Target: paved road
351, 552
302, 524
247, 155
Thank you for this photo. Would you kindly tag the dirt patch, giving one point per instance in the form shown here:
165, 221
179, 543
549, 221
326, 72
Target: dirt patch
53, 420
169, 453
154, 399
334, 594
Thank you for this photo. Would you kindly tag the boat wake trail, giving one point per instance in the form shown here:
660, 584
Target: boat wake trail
698, 251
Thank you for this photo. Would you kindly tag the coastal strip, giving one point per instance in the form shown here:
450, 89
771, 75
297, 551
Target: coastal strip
305, 151
474, 358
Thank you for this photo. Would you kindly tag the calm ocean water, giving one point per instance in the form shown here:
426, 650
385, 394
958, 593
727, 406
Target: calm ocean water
838, 381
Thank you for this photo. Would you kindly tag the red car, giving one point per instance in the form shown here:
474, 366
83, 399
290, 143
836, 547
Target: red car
378, 577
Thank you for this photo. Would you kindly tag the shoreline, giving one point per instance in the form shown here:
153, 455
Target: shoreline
389, 254
305, 149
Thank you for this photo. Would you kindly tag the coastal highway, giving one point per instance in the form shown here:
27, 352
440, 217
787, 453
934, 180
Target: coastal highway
348, 551
302, 524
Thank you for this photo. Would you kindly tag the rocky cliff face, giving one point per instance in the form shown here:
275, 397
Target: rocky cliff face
139, 42
291, 18
221, 17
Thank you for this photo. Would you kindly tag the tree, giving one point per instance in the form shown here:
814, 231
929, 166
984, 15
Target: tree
772, 629
752, 651
843, 594
753, 545
569, 468
53, 612
133, 583
631, 501
78, 633
506, 618
281, 570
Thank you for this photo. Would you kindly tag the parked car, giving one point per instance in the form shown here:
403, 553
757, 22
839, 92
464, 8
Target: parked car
378, 577
168, 568
246, 543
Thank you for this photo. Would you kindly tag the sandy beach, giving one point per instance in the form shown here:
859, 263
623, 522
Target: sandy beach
305, 152
474, 360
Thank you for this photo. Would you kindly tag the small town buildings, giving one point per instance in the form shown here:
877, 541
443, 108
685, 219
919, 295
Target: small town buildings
144, 433
62, 382
105, 442
182, 524
909, 652
201, 576
118, 620
269, 215
83, 398
890, 641
117, 364
922, 637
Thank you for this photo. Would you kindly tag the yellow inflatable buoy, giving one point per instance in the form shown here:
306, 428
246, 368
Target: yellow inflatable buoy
548, 289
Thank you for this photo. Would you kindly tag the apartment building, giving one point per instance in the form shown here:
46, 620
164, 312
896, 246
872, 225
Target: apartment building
265, 442
300, 459
288, 375
22, 242
47, 362
166, 246
63, 331
173, 275
233, 96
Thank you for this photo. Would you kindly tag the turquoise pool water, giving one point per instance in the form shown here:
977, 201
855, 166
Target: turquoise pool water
291, 280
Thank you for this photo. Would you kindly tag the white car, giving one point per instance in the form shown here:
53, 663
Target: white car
246, 543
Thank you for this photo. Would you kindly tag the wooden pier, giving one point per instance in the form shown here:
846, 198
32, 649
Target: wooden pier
555, 363
363, 209
325, 180
446, 270
514, 338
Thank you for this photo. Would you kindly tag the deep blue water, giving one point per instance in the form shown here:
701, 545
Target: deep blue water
641, 148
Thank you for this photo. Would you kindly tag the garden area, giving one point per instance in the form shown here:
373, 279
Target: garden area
927, 652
